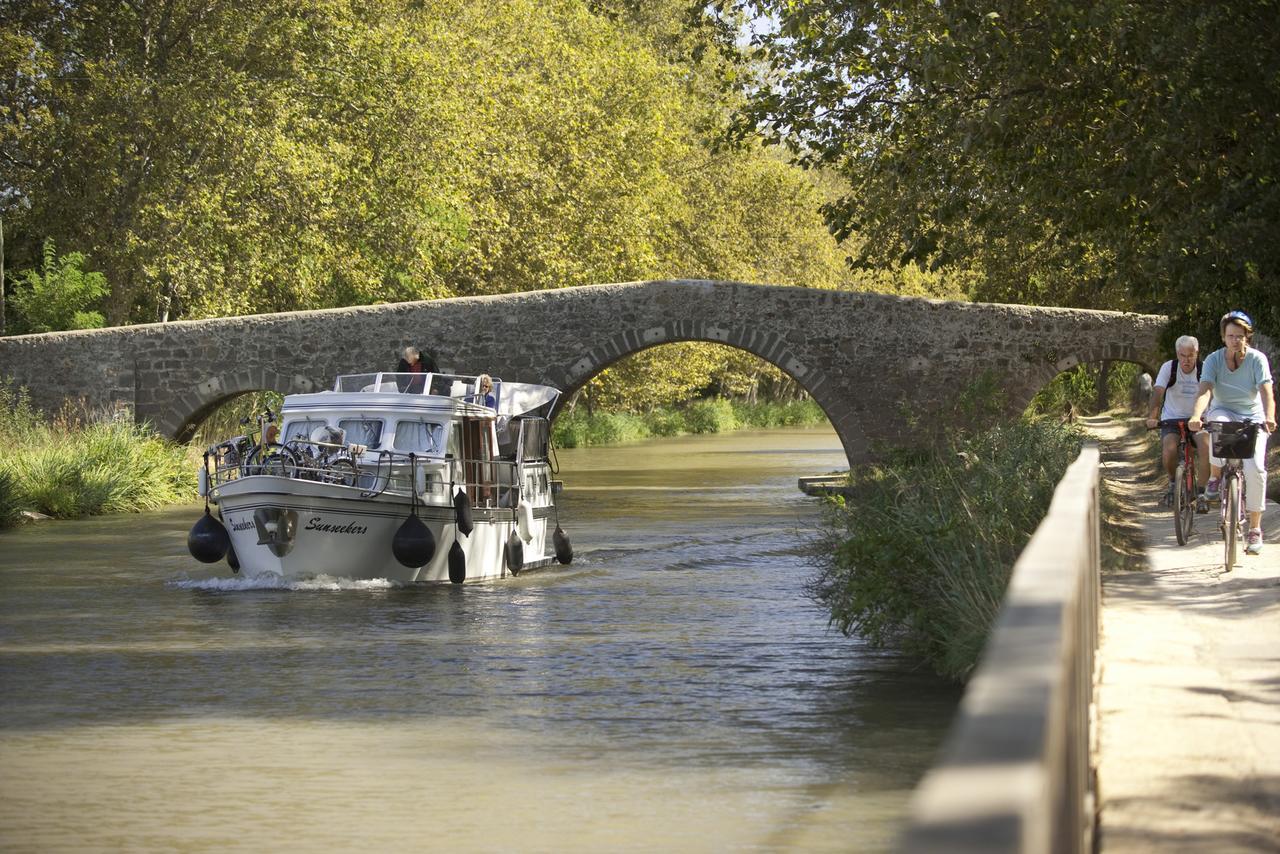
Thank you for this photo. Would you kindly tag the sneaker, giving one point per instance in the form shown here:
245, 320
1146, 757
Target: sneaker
1167, 499
1202, 504
1253, 542
1211, 489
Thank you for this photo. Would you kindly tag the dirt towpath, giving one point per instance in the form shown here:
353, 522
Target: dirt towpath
1189, 698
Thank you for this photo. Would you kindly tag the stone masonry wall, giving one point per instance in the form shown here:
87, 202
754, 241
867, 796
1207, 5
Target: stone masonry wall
885, 369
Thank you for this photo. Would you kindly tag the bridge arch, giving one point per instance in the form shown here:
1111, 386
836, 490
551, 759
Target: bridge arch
1086, 355
197, 402
769, 346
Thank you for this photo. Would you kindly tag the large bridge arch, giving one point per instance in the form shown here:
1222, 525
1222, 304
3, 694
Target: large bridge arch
885, 369
769, 346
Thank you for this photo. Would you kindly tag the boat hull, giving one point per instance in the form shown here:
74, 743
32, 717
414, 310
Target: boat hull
298, 529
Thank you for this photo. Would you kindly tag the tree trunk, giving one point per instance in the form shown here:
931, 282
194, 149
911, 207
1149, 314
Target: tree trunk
1103, 402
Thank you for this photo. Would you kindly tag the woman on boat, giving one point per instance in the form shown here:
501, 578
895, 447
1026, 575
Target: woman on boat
484, 391
1239, 379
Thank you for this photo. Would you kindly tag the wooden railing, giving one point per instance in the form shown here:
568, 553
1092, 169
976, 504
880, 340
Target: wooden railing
1014, 773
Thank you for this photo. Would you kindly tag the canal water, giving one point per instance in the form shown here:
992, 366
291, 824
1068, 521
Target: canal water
671, 690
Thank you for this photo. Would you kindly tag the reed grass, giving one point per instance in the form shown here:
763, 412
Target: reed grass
577, 428
919, 555
10, 509
81, 464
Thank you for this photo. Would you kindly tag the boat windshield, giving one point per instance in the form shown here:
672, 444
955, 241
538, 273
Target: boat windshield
442, 385
509, 399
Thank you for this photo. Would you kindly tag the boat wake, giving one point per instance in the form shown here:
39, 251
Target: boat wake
268, 581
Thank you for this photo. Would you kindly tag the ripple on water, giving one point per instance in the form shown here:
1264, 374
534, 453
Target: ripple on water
271, 581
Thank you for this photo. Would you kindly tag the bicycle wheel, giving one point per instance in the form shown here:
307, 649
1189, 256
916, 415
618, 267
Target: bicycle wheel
341, 472
278, 461
1183, 505
1190, 494
251, 462
1231, 520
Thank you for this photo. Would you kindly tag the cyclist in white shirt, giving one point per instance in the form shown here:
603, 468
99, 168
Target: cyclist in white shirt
1172, 397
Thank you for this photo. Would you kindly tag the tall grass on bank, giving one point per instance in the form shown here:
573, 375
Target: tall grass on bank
578, 429
9, 502
74, 466
920, 553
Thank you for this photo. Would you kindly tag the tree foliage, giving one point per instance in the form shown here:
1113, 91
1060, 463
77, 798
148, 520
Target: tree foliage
1111, 154
58, 295
216, 158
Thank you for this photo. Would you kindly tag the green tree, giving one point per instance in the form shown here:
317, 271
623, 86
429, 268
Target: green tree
217, 158
58, 295
1107, 154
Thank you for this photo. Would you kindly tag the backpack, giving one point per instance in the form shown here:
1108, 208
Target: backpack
1173, 372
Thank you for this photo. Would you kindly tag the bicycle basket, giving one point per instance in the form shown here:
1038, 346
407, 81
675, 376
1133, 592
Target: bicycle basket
1236, 441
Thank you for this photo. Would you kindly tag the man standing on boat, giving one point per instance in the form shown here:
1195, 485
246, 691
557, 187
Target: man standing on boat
411, 363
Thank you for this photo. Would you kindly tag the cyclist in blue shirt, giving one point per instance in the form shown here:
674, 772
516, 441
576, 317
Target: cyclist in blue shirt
1239, 379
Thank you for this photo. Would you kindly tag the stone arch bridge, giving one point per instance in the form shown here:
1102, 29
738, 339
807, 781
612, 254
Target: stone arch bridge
886, 370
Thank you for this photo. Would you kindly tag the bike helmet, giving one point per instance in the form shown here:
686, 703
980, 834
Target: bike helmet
1236, 317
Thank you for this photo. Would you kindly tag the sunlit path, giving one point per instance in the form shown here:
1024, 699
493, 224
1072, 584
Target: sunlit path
1189, 697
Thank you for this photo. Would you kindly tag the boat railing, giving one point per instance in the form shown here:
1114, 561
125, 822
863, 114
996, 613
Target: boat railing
460, 386
488, 483
434, 477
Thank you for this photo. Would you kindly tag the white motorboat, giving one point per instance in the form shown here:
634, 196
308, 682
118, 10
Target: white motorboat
405, 477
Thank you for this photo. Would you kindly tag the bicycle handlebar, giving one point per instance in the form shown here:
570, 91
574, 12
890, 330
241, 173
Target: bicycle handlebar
1169, 422
1216, 426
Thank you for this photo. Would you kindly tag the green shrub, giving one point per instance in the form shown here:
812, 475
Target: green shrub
19, 422
67, 469
796, 413
666, 422
1076, 390
58, 295
105, 467
710, 416
577, 429
920, 554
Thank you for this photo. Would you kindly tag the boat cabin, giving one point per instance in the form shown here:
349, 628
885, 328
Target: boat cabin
440, 425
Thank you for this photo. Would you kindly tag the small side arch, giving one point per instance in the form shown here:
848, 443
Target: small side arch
1021, 394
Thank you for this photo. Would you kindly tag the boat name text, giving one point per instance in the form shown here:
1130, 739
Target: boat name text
314, 524
240, 526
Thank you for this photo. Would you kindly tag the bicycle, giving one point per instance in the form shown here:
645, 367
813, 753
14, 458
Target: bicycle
326, 462
238, 454
1184, 482
1233, 442
268, 456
